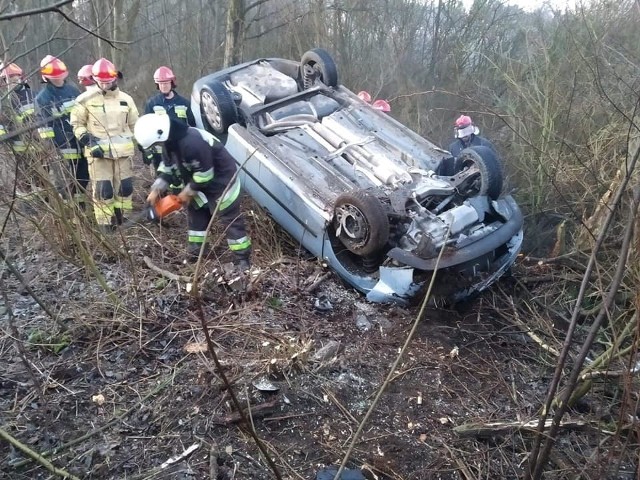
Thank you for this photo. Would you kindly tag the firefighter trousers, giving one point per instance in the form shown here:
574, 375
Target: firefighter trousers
112, 185
230, 217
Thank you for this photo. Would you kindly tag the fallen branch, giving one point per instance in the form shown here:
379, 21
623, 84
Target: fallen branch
315, 284
180, 456
520, 324
112, 422
36, 456
256, 412
166, 273
498, 428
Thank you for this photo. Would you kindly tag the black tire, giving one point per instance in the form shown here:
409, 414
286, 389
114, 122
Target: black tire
361, 222
490, 168
217, 108
320, 60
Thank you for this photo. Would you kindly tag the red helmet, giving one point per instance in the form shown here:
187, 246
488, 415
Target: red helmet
464, 127
364, 96
53, 68
11, 70
382, 105
104, 71
85, 77
463, 121
164, 74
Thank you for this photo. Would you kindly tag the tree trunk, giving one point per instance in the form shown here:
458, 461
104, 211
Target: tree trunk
235, 28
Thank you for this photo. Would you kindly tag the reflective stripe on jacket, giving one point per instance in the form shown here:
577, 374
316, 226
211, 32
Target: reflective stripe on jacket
56, 103
110, 117
202, 162
177, 107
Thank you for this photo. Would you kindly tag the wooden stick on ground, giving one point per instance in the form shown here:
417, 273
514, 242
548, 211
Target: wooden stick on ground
166, 273
497, 428
36, 456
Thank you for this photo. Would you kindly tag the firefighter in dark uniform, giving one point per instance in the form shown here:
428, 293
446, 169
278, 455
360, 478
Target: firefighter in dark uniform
166, 101
207, 170
19, 111
55, 102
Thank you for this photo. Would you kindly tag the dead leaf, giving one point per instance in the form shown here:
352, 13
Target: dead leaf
195, 347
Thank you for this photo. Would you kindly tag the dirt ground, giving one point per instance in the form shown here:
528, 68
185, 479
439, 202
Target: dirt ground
131, 384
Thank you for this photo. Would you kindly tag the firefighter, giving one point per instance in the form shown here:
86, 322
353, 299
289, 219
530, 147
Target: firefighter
18, 111
209, 173
170, 102
467, 135
103, 120
54, 103
85, 77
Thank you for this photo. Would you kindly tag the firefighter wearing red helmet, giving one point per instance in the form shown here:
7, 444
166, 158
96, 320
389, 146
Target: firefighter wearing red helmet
467, 134
103, 121
85, 76
18, 109
54, 104
170, 102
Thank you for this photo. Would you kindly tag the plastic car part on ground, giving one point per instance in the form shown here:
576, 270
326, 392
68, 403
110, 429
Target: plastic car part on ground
373, 199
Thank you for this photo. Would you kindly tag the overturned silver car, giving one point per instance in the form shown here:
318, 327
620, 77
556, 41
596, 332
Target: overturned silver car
357, 188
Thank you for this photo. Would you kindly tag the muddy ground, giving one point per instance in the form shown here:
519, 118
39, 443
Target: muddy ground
131, 384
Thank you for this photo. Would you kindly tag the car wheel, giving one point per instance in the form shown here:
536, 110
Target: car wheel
361, 223
217, 108
489, 180
318, 61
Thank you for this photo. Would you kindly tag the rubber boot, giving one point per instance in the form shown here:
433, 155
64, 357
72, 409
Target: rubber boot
118, 217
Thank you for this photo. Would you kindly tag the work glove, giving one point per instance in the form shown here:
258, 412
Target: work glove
88, 140
96, 152
153, 197
147, 156
186, 194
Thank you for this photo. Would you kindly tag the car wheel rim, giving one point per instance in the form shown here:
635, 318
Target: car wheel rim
352, 225
211, 111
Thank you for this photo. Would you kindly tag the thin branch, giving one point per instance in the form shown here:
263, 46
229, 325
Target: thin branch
35, 11
36, 456
90, 32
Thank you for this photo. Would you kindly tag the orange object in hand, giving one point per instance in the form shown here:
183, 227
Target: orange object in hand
166, 205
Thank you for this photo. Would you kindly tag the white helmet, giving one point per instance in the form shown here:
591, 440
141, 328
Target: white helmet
151, 128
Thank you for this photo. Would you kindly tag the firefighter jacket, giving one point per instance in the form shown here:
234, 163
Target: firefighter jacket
177, 107
19, 110
476, 140
105, 119
54, 105
202, 162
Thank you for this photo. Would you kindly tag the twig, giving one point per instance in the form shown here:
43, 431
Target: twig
36, 456
256, 412
520, 324
540, 451
341, 407
113, 421
498, 428
213, 461
464, 469
33, 294
180, 456
315, 284
35, 11
166, 273
394, 366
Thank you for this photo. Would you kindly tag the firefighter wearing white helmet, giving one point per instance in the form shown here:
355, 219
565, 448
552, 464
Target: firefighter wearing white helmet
103, 121
209, 173
54, 104
169, 101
